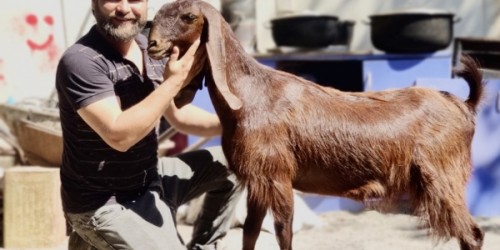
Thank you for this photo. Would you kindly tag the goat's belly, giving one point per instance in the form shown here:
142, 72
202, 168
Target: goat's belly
349, 182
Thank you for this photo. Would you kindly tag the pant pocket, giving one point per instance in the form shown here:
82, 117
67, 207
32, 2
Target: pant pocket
84, 225
105, 215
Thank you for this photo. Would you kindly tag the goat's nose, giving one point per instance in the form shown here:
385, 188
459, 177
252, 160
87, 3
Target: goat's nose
152, 43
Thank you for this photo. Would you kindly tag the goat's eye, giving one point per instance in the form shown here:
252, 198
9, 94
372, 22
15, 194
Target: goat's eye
189, 17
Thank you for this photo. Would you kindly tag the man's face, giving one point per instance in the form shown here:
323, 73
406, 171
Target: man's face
121, 20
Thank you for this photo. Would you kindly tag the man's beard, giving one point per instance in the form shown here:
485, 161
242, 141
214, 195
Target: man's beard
124, 32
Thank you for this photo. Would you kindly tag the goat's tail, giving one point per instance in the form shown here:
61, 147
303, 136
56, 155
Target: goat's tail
472, 75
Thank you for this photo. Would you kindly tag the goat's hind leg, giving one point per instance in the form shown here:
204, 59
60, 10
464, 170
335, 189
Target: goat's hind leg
439, 200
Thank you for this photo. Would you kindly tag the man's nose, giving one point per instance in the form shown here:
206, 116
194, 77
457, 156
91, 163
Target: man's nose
123, 7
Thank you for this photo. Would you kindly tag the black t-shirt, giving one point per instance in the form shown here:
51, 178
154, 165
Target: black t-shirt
92, 171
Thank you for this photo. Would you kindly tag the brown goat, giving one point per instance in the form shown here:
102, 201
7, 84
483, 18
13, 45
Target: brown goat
282, 132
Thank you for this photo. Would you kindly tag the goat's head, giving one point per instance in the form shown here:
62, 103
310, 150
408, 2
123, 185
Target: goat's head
179, 24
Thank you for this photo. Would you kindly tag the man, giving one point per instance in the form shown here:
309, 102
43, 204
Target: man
116, 193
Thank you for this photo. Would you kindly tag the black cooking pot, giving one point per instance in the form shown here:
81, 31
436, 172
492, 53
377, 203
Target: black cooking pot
412, 31
311, 31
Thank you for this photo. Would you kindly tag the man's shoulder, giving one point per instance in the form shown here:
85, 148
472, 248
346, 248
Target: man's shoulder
88, 47
81, 51
82, 54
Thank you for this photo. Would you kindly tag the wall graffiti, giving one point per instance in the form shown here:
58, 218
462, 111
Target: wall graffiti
39, 39
2, 77
30, 46
32, 21
3, 83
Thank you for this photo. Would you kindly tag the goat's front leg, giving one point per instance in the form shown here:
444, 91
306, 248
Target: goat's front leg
256, 211
282, 210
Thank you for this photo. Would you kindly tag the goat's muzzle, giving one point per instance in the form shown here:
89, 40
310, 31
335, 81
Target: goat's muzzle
157, 50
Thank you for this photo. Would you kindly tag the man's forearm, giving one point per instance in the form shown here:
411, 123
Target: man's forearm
193, 120
121, 129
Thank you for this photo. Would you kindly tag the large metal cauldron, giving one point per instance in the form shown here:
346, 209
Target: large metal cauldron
311, 31
412, 31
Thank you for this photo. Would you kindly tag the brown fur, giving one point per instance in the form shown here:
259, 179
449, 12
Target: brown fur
282, 132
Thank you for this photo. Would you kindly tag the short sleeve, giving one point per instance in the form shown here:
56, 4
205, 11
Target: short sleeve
82, 79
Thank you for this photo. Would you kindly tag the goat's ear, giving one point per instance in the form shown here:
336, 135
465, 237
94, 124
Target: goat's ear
217, 55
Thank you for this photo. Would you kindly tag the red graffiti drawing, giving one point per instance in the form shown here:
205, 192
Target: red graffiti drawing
2, 76
38, 32
32, 21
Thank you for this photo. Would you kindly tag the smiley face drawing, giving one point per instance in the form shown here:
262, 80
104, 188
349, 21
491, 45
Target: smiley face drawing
40, 43
38, 32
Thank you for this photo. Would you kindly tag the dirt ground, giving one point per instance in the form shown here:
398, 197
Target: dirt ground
368, 230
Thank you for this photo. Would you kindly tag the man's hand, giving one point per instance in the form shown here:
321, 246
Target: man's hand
181, 70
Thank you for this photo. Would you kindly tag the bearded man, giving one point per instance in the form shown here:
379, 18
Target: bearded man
117, 193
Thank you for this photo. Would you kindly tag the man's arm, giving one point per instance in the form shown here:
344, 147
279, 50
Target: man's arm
121, 129
193, 120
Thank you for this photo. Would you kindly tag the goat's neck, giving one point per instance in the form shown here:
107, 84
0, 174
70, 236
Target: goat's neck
238, 62
240, 70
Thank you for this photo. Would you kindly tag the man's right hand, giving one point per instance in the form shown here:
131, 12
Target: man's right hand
181, 70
